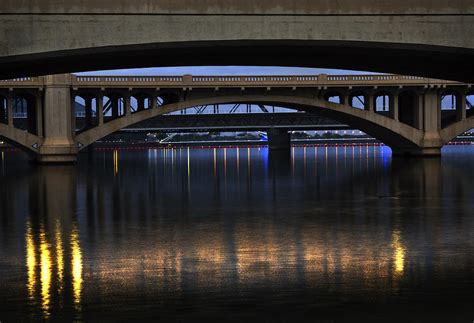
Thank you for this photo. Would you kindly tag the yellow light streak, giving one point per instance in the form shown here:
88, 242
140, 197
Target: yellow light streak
76, 267
30, 262
398, 253
46, 274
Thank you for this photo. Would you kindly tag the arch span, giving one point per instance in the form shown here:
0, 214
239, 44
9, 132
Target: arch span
387, 130
20, 138
455, 129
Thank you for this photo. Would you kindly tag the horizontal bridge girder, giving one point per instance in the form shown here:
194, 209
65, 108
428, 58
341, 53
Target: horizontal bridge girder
238, 121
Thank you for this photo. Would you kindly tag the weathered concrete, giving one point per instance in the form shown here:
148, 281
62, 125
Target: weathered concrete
59, 145
424, 37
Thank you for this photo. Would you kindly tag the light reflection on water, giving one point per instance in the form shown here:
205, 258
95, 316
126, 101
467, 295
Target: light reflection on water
46, 290
186, 228
76, 268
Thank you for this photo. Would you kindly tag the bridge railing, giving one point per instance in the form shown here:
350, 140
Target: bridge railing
22, 82
121, 80
320, 80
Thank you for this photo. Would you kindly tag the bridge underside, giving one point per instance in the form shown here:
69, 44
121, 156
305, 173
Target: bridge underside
409, 59
427, 38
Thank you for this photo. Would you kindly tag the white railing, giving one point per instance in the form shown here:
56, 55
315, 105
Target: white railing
20, 80
231, 81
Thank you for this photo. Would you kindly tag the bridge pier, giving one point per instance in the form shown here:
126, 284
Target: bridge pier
432, 142
58, 143
278, 139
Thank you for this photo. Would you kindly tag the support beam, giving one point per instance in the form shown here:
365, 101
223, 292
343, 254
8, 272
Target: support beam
59, 144
100, 109
3, 112
88, 108
345, 99
393, 106
369, 103
39, 114
419, 110
461, 106
127, 106
140, 103
432, 111
114, 101
278, 139
10, 109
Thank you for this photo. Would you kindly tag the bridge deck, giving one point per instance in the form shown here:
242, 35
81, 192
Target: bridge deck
190, 81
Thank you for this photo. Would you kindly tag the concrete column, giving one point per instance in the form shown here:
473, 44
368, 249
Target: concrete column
10, 109
461, 106
278, 139
140, 103
100, 109
88, 107
59, 144
369, 104
432, 111
154, 104
114, 101
3, 112
39, 114
127, 106
431, 143
345, 99
419, 111
394, 108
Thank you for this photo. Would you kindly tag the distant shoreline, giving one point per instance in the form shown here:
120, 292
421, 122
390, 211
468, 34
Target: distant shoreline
462, 140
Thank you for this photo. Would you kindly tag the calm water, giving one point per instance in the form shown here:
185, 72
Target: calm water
325, 235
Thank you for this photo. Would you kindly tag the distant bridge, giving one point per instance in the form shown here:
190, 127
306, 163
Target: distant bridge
236, 122
412, 115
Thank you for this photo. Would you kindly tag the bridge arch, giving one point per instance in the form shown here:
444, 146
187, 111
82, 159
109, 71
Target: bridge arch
457, 128
387, 130
21, 139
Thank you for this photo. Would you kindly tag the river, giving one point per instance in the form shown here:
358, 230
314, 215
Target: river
323, 234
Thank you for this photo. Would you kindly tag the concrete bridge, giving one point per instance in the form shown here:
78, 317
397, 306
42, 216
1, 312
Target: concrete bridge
431, 38
404, 112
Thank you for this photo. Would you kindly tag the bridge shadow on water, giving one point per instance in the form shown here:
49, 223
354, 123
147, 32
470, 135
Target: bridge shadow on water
316, 234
